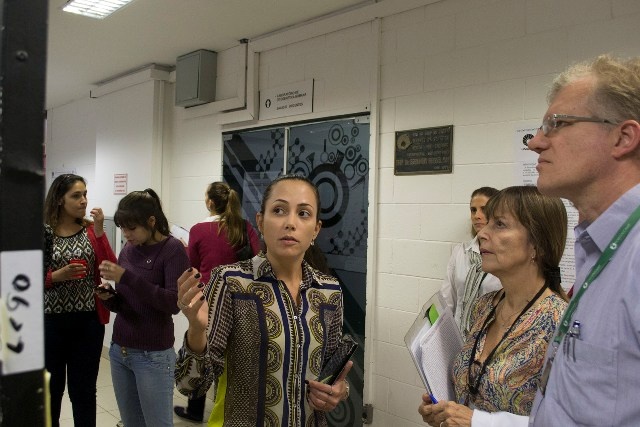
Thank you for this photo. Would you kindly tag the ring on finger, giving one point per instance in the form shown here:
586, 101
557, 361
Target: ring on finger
441, 423
182, 305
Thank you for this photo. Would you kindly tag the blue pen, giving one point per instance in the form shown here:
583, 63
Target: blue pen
433, 399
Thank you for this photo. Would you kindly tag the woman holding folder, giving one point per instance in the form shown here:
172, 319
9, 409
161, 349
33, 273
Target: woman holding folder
498, 370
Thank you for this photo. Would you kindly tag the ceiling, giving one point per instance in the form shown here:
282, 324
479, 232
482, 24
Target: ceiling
85, 51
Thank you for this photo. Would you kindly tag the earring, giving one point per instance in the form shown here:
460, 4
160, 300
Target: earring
313, 242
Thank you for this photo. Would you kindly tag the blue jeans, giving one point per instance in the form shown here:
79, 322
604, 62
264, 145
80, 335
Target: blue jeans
143, 384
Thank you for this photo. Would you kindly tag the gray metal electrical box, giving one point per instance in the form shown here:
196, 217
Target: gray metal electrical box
196, 78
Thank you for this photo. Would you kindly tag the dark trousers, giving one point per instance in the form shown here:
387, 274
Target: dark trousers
73, 345
196, 406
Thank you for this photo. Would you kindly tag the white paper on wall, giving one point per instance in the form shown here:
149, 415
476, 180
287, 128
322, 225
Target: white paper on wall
525, 173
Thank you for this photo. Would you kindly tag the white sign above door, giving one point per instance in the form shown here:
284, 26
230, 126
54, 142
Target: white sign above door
288, 100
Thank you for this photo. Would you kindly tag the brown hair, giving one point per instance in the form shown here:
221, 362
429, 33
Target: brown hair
544, 218
291, 177
227, 204
137, 207
487, 192
52, 203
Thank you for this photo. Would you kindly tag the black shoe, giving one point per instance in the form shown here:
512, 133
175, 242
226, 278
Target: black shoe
183, 413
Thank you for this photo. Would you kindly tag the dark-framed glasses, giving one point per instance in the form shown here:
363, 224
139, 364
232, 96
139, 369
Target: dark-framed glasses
555, 121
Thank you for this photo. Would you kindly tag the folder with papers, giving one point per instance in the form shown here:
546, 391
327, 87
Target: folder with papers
433, 341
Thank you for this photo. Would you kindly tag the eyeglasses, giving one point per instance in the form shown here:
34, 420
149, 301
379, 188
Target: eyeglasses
555, 121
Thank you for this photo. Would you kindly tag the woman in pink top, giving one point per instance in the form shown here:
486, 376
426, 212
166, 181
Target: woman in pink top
213, 242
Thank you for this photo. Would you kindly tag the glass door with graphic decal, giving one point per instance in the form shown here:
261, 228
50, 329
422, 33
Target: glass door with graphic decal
334, 155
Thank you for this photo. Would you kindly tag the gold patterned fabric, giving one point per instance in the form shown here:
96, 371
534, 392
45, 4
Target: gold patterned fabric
261, 346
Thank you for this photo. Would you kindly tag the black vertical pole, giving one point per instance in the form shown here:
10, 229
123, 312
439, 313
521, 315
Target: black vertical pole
23, 44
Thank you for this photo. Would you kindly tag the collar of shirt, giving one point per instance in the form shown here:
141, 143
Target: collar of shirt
212, 218
601, 230
262, 267
472, 245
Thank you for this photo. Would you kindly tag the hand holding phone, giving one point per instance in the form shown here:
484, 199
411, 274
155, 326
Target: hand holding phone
334, 366
105, 290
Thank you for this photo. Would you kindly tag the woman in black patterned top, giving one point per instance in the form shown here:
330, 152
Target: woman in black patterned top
269, 323
74, 319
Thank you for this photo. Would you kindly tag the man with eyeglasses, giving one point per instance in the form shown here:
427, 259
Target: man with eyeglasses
589, 153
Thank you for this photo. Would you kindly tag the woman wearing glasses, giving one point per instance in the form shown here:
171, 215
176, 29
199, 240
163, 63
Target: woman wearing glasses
498, 370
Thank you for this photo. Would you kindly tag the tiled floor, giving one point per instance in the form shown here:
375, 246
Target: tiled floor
107, 411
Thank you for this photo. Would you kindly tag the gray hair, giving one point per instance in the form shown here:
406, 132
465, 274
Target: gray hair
616, 86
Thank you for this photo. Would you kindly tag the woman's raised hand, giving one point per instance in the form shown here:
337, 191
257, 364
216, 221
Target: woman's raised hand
98, 221
192, 303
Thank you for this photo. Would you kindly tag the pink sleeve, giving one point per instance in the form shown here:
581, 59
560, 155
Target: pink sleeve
194, 254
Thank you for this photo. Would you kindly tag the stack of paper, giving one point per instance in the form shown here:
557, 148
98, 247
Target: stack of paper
434, 341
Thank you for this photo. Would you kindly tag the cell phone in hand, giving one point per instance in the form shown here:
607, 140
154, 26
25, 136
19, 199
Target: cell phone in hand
104, 290
338, 360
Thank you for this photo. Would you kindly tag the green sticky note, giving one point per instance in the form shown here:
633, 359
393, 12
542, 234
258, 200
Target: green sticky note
432, 313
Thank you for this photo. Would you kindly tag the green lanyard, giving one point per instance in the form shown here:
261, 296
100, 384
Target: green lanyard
602, 262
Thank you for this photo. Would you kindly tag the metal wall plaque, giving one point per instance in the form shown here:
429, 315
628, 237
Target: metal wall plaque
424, 151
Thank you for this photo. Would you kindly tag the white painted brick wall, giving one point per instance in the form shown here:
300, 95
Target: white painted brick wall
482, 65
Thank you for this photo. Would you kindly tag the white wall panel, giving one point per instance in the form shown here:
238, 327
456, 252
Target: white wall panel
547, 15
618, 36
420, 258
490, 21
401, 406
425, 109
402, 78
462, 67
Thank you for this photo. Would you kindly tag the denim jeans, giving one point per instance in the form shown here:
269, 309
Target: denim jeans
143, 383
73, 343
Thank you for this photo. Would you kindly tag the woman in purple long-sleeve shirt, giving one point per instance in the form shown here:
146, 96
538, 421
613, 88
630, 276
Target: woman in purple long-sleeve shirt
141, 353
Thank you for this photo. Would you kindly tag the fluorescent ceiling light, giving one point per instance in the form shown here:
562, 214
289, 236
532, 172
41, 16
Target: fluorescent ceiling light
94, 8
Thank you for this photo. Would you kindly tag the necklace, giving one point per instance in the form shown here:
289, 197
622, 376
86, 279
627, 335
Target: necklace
505, 324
